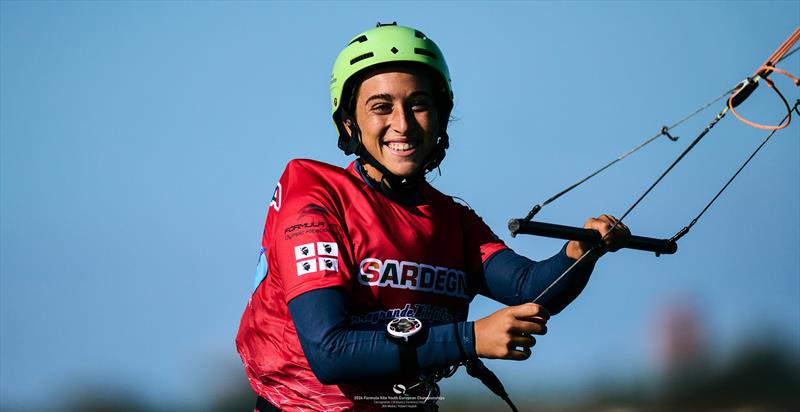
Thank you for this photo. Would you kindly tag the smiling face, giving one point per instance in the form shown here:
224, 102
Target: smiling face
396, 114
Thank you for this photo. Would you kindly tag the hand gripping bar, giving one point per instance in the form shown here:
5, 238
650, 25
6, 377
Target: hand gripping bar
659, 246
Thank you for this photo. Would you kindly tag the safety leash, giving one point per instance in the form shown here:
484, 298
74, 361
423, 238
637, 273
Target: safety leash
477, 369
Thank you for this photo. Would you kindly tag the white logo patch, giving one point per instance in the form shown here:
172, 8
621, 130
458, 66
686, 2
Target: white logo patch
306, 266
304, 251
327, 249
316, 257
277, 198
326, 263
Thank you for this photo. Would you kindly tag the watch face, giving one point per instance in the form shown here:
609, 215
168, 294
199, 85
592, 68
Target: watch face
403, 327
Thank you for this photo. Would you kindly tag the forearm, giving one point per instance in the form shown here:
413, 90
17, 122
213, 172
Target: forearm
340, 354
513, 279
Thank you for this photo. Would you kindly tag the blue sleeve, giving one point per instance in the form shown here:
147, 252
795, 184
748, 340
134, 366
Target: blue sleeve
339, 354
513, 279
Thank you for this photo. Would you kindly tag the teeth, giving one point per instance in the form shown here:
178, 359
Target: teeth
401, 147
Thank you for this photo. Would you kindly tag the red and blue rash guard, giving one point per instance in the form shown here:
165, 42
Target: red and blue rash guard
326, 228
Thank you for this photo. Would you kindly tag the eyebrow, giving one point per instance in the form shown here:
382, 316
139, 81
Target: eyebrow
387, 96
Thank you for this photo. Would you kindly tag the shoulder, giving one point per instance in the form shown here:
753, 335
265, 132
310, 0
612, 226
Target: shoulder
313, 169
470, 219
306, 181
453, 203
303, 175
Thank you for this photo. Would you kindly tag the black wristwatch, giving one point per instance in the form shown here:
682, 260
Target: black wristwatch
402, 332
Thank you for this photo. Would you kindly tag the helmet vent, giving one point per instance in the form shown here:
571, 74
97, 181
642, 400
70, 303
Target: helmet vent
419, 34
394, 50
361, 39
424, 52
362, 57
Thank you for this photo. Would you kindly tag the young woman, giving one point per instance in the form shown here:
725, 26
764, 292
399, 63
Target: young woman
366, 273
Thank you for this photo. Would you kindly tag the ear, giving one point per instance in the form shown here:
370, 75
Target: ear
348, 125
351, 142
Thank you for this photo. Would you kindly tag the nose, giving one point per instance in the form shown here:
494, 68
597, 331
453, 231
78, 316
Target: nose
402, 119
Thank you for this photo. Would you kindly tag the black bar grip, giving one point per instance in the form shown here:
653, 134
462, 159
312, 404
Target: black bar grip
659, 246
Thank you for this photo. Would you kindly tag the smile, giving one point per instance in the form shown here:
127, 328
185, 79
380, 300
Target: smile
401, 147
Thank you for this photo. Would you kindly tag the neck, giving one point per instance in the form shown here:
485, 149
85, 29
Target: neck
374, 173
402, 193
391, 181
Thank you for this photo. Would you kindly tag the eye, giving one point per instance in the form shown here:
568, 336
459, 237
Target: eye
382, 108
420, 106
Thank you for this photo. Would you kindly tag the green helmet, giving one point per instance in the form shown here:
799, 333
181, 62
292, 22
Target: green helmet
385, 44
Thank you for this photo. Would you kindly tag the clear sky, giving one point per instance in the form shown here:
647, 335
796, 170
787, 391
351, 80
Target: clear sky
141, 141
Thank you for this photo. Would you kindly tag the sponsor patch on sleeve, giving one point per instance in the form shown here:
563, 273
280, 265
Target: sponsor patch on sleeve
316, 257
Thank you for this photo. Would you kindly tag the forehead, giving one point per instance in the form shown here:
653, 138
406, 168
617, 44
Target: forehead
394, 80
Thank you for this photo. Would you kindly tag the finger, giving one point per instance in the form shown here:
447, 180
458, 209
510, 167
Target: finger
523, 326
536, 319
519, 355
624, 233
619, 236
617, 224
608, 218
603, 224
608, 228
607, 235
521, 341
528, 310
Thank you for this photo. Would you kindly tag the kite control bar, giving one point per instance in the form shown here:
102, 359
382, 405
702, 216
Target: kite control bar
520, 226
669, 246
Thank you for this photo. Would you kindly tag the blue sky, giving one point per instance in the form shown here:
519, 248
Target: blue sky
140, 143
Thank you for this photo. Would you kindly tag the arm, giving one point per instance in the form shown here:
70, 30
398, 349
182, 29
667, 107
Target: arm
509, 278
513, 279
338, 354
